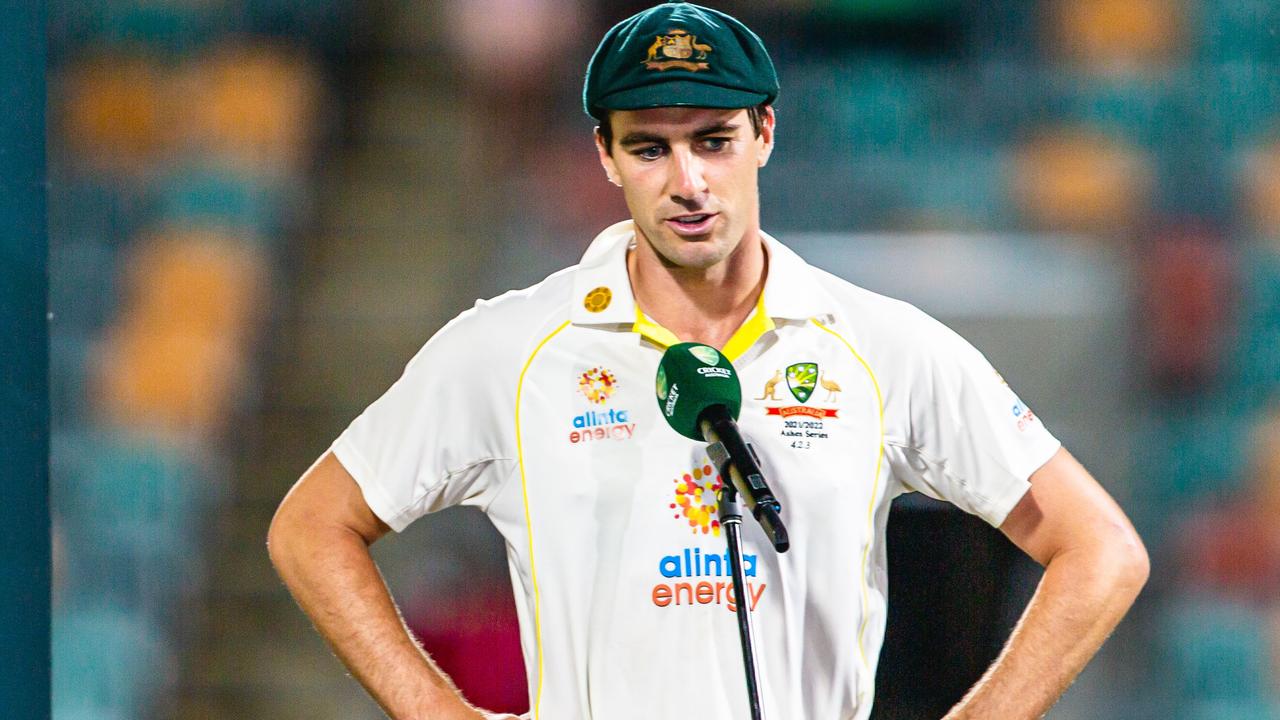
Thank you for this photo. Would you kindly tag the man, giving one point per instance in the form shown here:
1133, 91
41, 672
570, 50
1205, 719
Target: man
538, 408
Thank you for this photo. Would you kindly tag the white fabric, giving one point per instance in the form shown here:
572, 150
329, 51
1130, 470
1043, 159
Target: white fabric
631, 616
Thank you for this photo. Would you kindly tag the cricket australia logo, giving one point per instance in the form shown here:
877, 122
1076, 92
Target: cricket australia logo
804, 422
802, 378
677, 49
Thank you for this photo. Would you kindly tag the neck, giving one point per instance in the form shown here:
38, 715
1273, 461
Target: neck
705, 305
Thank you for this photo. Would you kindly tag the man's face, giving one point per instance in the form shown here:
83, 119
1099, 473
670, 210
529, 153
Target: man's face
689, 176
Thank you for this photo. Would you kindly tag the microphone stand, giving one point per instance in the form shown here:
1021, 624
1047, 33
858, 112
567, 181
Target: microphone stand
741, 476
730, 511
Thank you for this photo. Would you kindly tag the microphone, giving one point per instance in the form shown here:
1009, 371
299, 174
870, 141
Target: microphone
700, 396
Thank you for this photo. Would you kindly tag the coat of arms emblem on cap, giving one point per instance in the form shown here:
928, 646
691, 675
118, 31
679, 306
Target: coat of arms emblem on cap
675, 49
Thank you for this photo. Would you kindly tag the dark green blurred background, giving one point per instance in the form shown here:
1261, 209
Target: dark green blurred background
260, 209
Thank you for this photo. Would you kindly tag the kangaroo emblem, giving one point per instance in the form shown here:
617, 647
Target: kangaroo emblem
769, 386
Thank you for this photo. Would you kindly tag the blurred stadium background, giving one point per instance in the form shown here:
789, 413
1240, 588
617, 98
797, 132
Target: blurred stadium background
259, 209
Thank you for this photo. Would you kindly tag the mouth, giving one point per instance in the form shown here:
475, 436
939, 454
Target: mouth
692, 223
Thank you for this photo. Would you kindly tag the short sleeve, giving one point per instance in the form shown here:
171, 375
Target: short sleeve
435, 437
968, 439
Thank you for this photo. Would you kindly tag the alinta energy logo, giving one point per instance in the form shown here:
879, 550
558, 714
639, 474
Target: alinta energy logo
697, 498
598, 385
690, 576
804, 422
1024, 415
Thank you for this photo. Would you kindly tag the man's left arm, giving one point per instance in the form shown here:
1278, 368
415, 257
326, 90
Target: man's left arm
1095, 565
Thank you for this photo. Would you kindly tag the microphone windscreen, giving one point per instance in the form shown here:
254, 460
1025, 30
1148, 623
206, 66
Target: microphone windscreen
691, 378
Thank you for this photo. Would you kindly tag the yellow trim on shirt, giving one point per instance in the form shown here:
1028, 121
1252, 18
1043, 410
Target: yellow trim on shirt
652, 331
743, 338
756, 326
528, 522
875, 487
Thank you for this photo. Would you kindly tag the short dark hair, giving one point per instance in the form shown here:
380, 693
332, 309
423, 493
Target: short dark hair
755, 114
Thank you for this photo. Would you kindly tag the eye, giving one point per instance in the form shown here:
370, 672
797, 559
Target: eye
715, 144
652, 152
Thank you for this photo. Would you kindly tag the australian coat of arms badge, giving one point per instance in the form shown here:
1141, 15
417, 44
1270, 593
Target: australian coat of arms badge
677, 49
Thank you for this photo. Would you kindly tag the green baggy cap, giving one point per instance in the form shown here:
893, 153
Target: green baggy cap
678, 54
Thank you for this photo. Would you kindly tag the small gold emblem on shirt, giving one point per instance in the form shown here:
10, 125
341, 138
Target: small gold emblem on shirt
598, 299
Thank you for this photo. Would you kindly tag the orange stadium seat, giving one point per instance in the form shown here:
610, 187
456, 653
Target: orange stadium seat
1076, 179
1118, 36
255, 105
174, 358
1260, 190
168, 380
197, 282
111, 110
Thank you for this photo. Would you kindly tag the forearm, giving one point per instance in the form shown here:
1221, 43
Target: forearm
1081, 598
334, 579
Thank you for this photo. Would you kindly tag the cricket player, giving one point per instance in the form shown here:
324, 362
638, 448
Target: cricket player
538, 407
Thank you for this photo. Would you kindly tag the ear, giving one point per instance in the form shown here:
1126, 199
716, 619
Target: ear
764, 143
606, 160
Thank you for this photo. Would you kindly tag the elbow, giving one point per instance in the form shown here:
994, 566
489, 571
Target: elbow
1130, 564
1140, 566
275, 541
280, 536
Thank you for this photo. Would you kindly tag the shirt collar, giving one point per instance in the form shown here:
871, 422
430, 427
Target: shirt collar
602, 289
601, 286
792, 289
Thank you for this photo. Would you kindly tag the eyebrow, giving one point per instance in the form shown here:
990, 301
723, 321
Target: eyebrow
717, 129
644, 138
641, 138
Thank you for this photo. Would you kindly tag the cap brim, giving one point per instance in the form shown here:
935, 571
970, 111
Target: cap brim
679, 93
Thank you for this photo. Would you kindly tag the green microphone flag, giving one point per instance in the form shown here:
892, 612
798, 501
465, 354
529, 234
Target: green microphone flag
691, 378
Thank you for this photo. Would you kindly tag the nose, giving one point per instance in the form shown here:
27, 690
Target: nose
686, 180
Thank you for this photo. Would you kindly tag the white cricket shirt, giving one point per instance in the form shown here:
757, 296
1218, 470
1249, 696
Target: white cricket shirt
539, 408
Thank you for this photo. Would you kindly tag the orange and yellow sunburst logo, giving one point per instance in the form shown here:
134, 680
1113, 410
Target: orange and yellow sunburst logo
697, 498
597, 384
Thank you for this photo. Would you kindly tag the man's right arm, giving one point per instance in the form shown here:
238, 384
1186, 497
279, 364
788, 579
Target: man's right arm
319, 543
